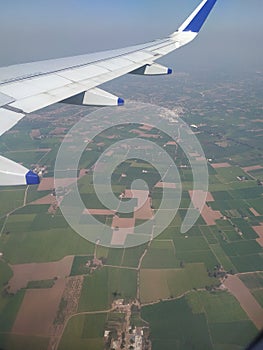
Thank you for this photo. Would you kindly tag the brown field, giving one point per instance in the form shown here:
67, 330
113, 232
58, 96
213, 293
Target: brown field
254, 212
47, 183
119, 237
154, 285
38, 310
149, 136
58, 131
171, 143
145, 211
99, 212
209, 197
23, 273
208, 214
121, 228
35, 133
139, 194
109, 153
200, 159
146, 127
197, 197
194, 154
83, 172
125, 226
49, 199
259, 231
246, 300
165, 185
220, 165
145, 135
251, 168
123, 222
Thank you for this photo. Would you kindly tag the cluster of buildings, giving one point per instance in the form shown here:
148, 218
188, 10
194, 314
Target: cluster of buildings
133, 342
125, 335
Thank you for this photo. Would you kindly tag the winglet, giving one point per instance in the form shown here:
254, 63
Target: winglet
32, 178
196, 20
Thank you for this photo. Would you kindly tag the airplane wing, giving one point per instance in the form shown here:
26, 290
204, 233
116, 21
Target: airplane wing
25, 88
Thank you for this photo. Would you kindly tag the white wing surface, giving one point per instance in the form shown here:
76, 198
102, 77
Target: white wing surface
26, 88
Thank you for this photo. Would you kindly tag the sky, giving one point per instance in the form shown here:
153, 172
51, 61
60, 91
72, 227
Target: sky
33, 30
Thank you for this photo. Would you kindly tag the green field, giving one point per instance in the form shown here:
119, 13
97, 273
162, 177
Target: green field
161, 254
248, 263
100, 288
84, 332
258, 294
79, 266
231, 334
40, 284
228, 175
5, 274
114, 257
25, 157
252, 281
9, 306
218, 306
201, 320
132, 256
245, 228
208, 234
222, 257
43, 246
10, 200
178, 328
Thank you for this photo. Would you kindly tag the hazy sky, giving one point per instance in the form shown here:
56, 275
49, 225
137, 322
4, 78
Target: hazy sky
40, 29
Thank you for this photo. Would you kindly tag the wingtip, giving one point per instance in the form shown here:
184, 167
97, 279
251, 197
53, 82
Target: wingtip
32, 178
120, 101
196, 20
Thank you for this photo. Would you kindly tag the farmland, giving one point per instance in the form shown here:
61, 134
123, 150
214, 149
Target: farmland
178, 278
200, 319
84, 331
103, 286
170, 283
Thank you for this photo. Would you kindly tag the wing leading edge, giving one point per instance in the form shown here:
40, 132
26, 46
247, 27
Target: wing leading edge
29, 87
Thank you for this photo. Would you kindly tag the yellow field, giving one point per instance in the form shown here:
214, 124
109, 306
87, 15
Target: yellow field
170, 283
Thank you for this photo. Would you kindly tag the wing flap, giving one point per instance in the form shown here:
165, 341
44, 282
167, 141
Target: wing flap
139, 56
115, 63
4, 99
34, 86
78, 74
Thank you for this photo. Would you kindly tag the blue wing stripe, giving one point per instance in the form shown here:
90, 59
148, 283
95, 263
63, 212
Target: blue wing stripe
197, 22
